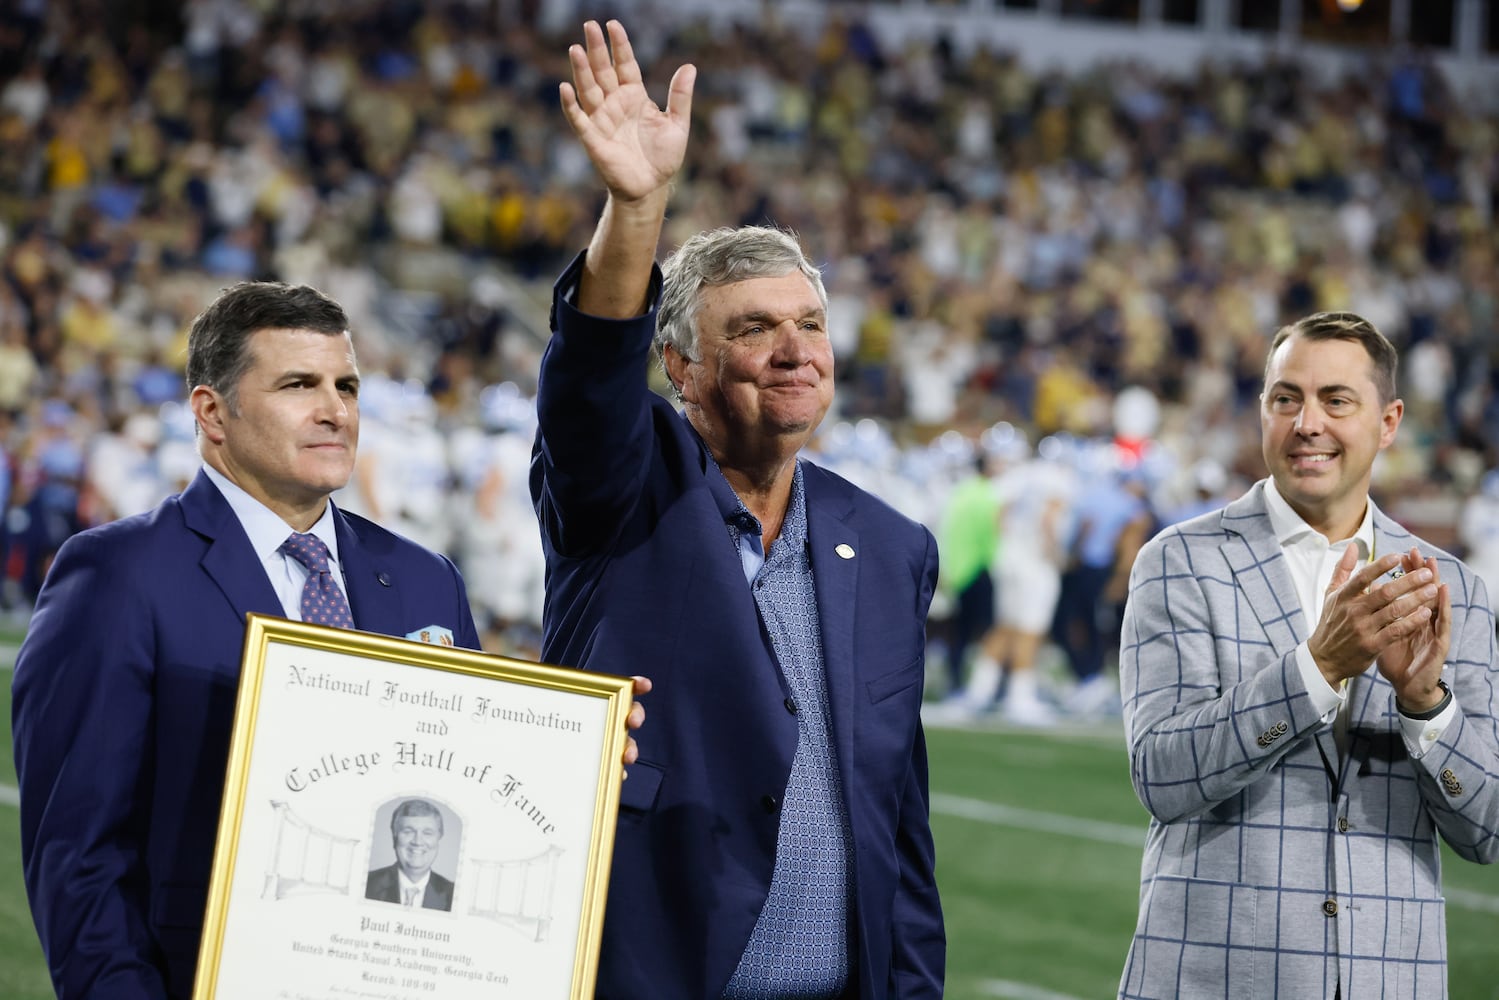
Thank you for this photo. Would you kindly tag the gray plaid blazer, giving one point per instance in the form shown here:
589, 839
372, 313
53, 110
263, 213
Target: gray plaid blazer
1272, 869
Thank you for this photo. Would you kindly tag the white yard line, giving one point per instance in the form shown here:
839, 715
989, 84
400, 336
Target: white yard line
1042, 822
1472, 900
1120, 834
1010, 990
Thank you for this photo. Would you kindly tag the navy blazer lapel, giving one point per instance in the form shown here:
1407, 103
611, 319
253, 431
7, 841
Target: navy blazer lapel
229, 560
371, 583
833, 547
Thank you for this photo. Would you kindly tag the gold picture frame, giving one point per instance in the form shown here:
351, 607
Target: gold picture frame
359, 761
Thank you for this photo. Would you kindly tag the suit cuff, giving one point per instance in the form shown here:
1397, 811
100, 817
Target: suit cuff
565, 288
1325, 698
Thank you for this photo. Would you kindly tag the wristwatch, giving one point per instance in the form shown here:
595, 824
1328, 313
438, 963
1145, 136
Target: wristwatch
1433, 711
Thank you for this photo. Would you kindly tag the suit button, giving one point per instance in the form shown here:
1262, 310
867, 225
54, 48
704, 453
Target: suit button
770, 802
1330, 907
790, 706
1342, 824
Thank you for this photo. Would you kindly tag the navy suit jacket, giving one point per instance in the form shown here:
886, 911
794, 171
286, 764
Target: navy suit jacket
123, 706
642, 578
383, 885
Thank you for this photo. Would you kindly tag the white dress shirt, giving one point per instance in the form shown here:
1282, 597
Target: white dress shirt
267, 532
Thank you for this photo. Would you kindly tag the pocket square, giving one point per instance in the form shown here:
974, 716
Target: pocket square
434, 634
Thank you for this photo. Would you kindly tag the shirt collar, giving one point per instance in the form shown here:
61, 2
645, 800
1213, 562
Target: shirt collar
406, 883
1290, 528
793, 527
265, 528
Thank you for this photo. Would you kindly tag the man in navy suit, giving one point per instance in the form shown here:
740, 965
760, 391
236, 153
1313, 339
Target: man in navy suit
773, 838
416, 836
124, 688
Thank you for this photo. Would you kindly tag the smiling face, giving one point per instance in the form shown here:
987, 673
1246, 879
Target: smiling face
289, 439
416, 840
1322, 424
764, 375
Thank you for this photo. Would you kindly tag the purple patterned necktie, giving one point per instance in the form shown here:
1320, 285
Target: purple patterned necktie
322, 602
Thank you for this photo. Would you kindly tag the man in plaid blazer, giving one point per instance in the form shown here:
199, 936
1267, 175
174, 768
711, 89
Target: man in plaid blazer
1310, 697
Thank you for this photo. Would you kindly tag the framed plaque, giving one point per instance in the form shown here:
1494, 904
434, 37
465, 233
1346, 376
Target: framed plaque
406, 820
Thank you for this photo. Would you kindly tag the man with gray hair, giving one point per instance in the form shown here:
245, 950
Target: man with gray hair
773, 838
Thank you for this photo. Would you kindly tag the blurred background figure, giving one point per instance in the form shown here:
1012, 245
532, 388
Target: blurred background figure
1479, 532
1082, 242
1035, 498
503, 563
968, 538
1113, 519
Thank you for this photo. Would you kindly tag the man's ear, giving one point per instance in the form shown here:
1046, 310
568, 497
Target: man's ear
676, 370
210, 410
1390, 422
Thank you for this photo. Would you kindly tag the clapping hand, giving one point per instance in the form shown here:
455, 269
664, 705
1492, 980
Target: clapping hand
1364, 618
1412, 663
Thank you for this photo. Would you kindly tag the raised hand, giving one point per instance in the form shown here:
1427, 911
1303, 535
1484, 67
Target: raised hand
636, 147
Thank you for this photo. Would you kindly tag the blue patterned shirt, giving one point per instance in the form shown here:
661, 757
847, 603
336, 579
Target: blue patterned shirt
799, 946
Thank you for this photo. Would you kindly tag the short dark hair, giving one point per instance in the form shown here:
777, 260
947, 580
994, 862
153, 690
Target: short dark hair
415, 807
1385, 361
217, 355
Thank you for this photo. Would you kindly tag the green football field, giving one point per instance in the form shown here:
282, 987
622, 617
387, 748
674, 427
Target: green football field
1038, 840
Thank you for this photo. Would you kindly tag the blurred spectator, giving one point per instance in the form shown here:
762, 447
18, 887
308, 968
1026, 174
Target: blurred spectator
1036, 496
967, 540
1478, 531
1002, 244
1113, 521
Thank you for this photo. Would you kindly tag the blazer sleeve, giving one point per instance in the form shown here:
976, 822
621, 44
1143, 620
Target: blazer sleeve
1459, 777
82, 714
593, 440
919, 949
1194, 740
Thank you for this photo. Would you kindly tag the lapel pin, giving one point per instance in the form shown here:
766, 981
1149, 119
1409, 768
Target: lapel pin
845, 550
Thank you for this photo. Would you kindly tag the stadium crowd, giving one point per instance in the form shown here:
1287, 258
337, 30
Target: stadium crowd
1073, 272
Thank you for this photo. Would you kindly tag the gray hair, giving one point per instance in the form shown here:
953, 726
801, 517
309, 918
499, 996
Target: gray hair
722, 257
415, 807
